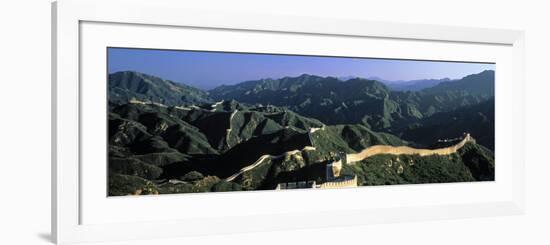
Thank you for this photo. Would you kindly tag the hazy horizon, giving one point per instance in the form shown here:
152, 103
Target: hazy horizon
207, 69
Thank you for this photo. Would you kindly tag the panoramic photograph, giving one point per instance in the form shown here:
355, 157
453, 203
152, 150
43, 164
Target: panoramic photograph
183, 121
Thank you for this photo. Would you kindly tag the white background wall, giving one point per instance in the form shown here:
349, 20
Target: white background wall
25, 122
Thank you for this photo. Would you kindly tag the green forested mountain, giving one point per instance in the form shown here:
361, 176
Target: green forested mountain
126, 85
360, 101
481, 84
471, 163
478, 120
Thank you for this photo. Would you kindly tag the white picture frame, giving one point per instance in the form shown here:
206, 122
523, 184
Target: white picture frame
68, 17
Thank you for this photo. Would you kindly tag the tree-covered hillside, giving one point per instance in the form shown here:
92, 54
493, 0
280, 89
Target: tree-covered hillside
360, 101
127, 85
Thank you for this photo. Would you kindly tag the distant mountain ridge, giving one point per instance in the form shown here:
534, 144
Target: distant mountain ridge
327, 99
482, 83
475, 83
359, 100
127, 85
402, 85
415, 85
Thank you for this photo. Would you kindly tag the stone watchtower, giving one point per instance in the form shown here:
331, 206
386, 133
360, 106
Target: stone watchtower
333, 169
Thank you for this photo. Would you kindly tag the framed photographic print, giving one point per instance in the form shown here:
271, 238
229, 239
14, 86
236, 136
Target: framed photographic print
180, 122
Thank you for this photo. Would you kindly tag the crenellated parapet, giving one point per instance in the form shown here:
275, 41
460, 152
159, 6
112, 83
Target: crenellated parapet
339, 184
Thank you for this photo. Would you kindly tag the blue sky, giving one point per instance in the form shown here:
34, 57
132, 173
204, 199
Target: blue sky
207, 70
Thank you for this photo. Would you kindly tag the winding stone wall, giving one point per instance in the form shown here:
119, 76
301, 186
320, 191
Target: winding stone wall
405, 150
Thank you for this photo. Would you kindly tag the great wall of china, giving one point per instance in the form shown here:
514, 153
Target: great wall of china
333, 169
267, 156
343, 183
405, 150
339, 184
